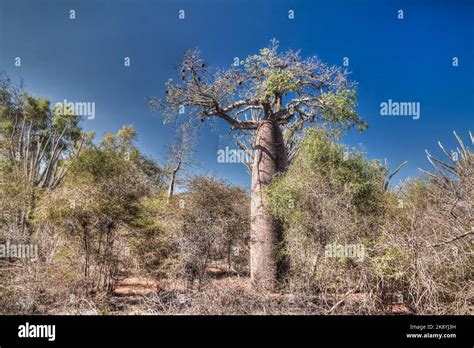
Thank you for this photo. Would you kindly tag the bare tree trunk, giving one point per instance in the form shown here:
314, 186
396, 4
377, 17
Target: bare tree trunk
173, 174
171, 184
269, 159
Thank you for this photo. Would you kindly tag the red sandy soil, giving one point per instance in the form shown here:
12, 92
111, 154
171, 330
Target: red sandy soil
137, 285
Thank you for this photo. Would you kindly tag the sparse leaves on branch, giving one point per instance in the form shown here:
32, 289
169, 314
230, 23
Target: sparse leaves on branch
274, 85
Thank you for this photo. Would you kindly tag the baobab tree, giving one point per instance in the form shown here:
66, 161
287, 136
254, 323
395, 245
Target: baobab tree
267, 100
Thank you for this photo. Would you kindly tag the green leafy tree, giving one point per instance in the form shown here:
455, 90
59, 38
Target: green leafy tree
329, 195
36, 144
102, 192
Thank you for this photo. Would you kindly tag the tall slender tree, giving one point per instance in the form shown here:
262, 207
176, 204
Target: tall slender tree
36, 144
179, 154
267, 100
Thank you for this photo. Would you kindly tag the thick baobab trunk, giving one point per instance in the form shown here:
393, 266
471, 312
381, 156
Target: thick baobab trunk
269, 159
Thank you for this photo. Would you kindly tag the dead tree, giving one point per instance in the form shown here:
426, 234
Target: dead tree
180, 154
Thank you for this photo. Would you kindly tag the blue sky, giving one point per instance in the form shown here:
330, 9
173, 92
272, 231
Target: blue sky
407, 60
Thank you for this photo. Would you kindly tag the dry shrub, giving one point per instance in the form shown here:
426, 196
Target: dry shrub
41, 285
54, 282
416, 241
213, 225
428, 237
227, 296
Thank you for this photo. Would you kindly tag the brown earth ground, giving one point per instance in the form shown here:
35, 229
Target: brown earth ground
227, 293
